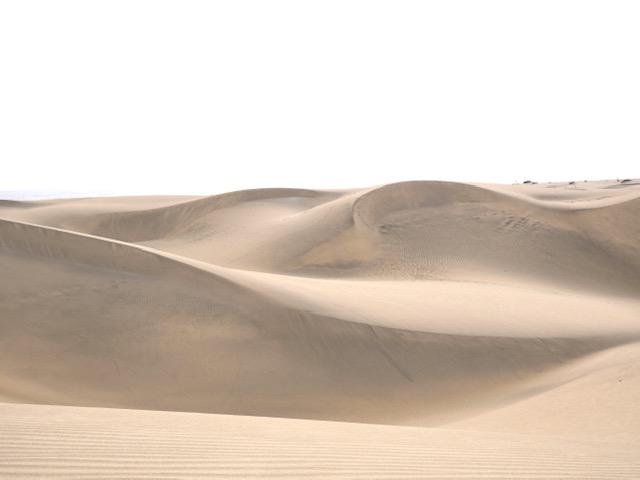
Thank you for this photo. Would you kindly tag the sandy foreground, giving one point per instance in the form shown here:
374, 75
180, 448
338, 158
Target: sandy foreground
412, 330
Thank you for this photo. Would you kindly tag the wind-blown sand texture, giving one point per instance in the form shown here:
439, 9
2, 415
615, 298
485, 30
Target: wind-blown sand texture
412, 330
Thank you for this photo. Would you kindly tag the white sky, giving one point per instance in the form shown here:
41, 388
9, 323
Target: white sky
208, 97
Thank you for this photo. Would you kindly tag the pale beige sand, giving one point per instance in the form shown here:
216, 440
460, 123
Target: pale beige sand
504, 316
41, 441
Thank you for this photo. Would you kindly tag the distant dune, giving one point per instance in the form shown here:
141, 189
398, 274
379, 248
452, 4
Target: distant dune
477, 330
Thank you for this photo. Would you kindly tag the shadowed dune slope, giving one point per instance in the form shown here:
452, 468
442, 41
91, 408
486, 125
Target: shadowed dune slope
179, 218
111, 324
446, 230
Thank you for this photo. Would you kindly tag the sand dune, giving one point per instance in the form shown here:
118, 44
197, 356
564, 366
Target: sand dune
498, 313
64, 442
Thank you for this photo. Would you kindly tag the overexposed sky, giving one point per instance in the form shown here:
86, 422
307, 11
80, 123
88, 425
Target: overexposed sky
214, 96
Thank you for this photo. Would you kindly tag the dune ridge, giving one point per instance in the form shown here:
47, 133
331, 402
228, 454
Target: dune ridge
466, 308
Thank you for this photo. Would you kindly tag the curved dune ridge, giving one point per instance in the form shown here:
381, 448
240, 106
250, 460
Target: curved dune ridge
443, 311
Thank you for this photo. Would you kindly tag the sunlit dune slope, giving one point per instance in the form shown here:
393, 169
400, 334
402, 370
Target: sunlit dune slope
433, 230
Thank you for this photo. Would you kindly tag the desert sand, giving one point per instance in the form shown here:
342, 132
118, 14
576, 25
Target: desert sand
411, 330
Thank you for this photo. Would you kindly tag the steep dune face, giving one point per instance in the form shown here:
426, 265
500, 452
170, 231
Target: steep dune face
446, 230
191, 218
87, 321
596, 397
419, 303
265, 229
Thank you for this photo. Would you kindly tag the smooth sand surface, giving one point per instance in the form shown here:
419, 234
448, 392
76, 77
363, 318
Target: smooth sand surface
412, 330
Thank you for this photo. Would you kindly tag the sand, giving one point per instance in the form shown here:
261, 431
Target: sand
412, 330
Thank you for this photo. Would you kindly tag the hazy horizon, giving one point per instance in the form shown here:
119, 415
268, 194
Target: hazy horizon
53, 193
